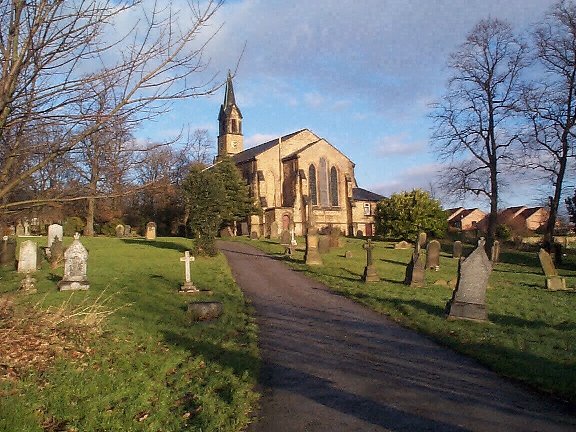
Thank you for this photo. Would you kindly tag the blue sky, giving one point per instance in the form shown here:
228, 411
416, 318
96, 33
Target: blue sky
360, 74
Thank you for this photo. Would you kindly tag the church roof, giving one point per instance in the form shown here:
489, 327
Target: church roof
306, 147
359, 194
252, 152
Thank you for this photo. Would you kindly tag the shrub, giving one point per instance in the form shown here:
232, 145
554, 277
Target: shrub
73, 225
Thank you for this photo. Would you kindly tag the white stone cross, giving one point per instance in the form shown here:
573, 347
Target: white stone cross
187, 259
293, 239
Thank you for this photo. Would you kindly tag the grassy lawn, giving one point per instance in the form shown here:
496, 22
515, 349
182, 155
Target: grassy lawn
146, 367
532, 332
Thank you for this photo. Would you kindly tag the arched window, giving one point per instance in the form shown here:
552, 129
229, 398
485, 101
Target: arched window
333, 187
312, 185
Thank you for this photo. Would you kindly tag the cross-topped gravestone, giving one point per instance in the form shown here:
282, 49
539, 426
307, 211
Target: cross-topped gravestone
188, 286
469, 298
75, 266
433, 255
553, 281
370, 274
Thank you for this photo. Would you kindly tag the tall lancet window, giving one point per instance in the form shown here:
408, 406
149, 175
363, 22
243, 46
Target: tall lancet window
312, 185
333, 187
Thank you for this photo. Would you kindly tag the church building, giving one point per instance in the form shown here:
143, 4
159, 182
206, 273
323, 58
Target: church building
294, 177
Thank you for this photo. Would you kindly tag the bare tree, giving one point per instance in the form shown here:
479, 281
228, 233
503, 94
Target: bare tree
475, 121
57, 57
550, 105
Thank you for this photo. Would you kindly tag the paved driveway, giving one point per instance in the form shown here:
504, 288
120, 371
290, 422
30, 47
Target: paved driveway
330, 364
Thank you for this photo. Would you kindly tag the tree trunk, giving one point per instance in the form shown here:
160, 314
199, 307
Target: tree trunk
90, 208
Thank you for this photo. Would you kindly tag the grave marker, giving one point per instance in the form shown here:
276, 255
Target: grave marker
457, 249
553, 281
370, 274
188, 286
28, 257
151, 231
433, 255
75, 266
55, 230
415, 270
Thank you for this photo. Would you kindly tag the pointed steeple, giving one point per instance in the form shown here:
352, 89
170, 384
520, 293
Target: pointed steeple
229, 98
230, 139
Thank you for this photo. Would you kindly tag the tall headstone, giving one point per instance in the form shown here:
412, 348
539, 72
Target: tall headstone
415, 270
554, 282
55, 230
127, 230
119, 230
457, 249
433, 255
19, 229
188, 286
26, 228
335, 236
56, 253
274, 230
8, 252
312, 255
422, 237
28, 257
151, 231
75, 266
370, 274
495, 255
285, 241
323, 244
469, 298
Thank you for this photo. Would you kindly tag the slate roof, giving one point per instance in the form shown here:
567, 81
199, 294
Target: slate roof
252, 152
359, 194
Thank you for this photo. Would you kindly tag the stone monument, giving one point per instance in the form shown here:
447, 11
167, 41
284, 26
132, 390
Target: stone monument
55, 230
28, 284
151, 231
119, 230
274, 230
415, 270
8, 252
433, 255
422, 237
402, 245
457, 249
56, 253
370, 274
323, 244
75, 266
553, 281
28, 257
188, 286
469, 298
495, 255
285, 241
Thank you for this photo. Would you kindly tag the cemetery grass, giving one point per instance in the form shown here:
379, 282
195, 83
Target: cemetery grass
531, 336
123, 355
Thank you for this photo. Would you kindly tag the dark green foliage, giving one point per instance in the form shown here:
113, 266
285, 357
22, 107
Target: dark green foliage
404, 215
73, 225
503, 232
205, 194
109, 228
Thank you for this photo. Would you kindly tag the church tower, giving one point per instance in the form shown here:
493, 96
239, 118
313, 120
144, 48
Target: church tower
230, 138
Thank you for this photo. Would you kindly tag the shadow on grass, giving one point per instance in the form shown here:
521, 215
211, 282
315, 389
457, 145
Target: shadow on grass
158, 244
508, 320
393, 261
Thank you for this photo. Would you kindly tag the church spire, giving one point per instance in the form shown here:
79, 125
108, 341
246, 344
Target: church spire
230, 138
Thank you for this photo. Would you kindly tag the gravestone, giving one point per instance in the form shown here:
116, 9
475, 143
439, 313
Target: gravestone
457, 249
19, 229
28, 284
468, 300
422, 237
188, 286
127, 230
56, 253
254, 235
348, 254
205, 310
359, 234
28, 257
312, 256
244, 228
55, 230
274, 230
226, 232
75, 266
26, 228
285, 239
119, 230
495, 255
553, 281
433, 255
370, 274
402, 245
8, 252
151, 231
293, 241
323, 244
415, 270
335, 237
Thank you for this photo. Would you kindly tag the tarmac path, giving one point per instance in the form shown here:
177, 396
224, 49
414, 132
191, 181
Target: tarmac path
330, 364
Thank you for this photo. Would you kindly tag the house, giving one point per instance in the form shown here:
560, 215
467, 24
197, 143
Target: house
521, 217
465, 219
295, 177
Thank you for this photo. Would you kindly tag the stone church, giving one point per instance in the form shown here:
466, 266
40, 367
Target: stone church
296, 176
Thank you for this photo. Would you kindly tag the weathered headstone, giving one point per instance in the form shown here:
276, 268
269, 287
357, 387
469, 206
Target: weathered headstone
28, 284
274, 230
188, 286
75, 267
119, 230
127, 230
28, 257
55, 230
56, 252
285, 241
433, 255
348, 254
151, 231
469, 298
205, 310
422, 237
312, 256
335, 237
323, 244
293, 241
495, 255
415, 270
254, 235
457, 249
8, 252
19, 229
370, 274
243, 228
26, 228
554, 282
226, 232
402, 245
359, 234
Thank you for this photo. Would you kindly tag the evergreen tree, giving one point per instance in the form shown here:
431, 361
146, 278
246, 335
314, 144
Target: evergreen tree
404, 215
571, 206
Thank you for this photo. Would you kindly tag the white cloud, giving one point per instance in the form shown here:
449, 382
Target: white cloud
399, 145
256, 139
